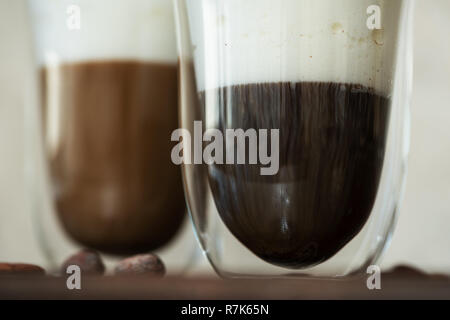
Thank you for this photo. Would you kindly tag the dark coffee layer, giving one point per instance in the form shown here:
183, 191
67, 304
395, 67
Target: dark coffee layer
332, 146
116, 189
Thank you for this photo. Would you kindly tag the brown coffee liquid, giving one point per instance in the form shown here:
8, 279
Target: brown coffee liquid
107, 134
332, 146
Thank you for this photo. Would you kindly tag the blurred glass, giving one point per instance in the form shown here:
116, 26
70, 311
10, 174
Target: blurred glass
334, 77
103, 177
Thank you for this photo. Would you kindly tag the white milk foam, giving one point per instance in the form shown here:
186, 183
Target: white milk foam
257, 41
110, 29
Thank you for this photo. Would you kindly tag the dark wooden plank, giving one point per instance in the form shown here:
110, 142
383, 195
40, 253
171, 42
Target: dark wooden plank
403, 283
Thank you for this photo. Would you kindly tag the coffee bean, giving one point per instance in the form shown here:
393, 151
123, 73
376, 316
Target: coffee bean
144, 264
12, 269
89, 262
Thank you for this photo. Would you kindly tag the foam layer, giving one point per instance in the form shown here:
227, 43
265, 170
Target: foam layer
254, 41
110, 29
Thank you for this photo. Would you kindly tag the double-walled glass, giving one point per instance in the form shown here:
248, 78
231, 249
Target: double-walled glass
318, 91
100, 165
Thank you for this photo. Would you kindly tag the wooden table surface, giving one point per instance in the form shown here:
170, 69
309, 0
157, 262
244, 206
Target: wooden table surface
402, 283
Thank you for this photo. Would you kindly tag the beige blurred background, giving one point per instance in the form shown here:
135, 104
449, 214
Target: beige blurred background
422, 237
